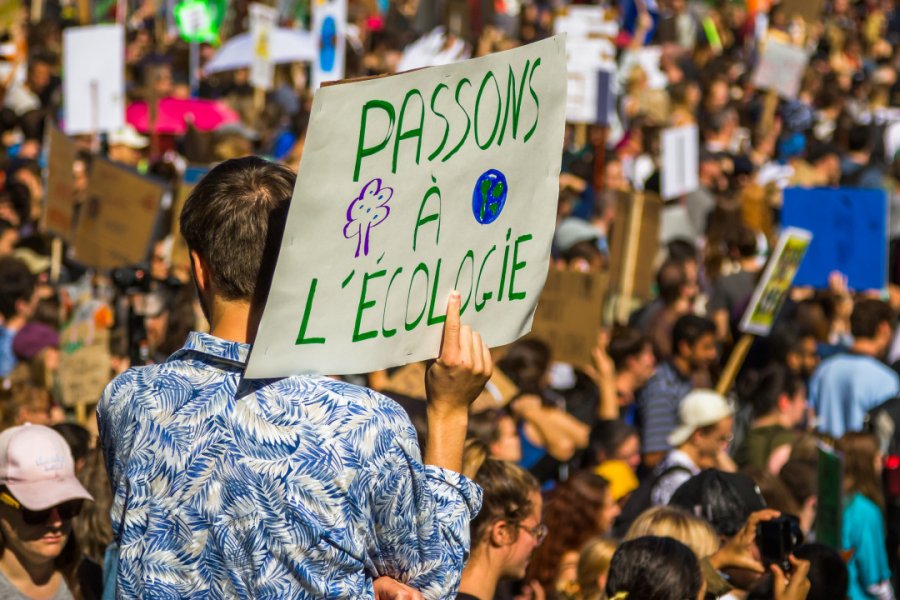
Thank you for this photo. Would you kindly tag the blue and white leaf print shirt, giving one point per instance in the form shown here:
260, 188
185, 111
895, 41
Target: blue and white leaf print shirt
302, 487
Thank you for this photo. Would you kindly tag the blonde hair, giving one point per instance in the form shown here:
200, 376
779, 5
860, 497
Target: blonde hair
592, 563
667, 521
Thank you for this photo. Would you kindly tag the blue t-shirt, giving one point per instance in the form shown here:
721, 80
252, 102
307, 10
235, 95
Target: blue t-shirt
845, 387
862, 531
7, 359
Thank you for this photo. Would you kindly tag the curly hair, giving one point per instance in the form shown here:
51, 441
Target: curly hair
571, 519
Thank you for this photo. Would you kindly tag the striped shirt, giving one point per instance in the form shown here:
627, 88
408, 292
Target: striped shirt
657, 404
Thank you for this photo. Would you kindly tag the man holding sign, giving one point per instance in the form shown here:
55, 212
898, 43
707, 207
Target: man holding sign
299, 487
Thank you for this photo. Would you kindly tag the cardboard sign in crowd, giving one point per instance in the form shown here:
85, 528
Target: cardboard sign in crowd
413, 186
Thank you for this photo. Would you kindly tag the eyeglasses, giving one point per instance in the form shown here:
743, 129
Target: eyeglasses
66, 510
538, 532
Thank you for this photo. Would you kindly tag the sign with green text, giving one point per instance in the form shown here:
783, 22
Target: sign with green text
776, 281
412, 186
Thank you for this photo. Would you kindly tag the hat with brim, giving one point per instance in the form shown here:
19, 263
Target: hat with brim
699, 408
36, 466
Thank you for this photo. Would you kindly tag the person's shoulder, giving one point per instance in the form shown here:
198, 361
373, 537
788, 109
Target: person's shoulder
862, 508
346, 400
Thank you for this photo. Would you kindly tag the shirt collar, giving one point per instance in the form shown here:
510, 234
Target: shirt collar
234, 353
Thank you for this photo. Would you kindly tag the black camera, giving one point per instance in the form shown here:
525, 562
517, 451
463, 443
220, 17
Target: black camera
777, 539
131, 280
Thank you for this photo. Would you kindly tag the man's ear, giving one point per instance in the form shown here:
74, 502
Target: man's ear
201, 272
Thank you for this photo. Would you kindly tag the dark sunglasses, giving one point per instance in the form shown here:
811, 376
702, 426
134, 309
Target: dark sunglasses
66, 510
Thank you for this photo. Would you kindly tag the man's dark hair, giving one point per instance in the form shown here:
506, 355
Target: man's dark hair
16, 283
858, 139
689, 329
234, 219
867, 315
682, 249
5, 226
743, 242
787, 339
724, 500
624, 343
654, 568
608, 436
771, 383
670, 279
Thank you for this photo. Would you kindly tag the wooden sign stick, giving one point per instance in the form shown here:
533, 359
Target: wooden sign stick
629, 266
738, 354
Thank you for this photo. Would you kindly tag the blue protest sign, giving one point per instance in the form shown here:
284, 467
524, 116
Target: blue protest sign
849, 228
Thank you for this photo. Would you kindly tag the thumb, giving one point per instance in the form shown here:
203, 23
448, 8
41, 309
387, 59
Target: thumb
450, 341
780, 581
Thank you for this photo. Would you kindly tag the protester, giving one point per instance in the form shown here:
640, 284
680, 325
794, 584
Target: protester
863, 518
693, 340
846, 386
655, 568
226, 221
38, 499
593, 569
699, 443
581, 508
779, 408
507, 529
678, 524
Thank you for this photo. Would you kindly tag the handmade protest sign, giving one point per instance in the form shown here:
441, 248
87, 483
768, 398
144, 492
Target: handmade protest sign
781, 68
850, 229
776, 281
93, 79
590, 61
262, 22
569, 313
829, 496
681, 161
329, 26
84, 368
412, 186
60, 200
117, 219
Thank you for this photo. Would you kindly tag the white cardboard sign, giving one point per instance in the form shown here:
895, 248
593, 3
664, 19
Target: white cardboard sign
93, 79
680, 161
329, 26
781, 68
262, 23
412, 186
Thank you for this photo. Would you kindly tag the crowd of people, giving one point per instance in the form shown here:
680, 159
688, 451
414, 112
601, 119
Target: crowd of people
625, 478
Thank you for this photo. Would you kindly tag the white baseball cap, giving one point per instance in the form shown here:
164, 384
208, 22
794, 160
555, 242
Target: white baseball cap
698, 409
127, 135
36, 466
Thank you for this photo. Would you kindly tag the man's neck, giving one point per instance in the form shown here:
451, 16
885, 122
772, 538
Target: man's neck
682, 366
749, 264
233, 321
775, 418
691, 453
625, 385
866, 347
480, 577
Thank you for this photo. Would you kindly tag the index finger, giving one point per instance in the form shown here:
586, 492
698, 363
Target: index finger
450, 339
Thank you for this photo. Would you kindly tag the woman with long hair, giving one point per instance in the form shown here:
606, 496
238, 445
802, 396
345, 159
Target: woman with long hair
39, 497
680, 525
508, 526
580, 509
863, 522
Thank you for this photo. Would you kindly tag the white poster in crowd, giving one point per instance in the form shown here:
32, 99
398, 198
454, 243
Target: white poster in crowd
329, 26
418, 184
93, 79
263, 20
680, 161
781, 68
589, 50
